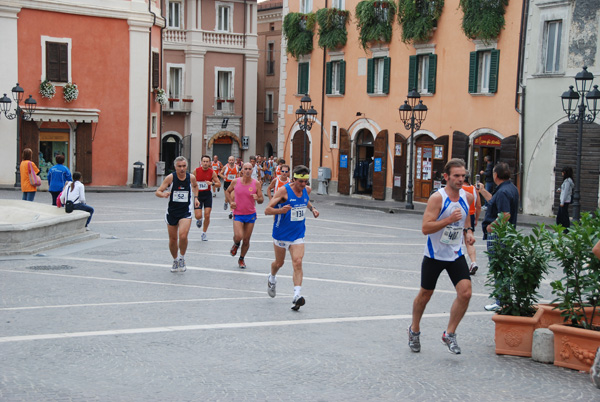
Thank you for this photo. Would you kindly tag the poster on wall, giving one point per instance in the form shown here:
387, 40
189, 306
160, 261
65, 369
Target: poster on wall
397, 181
344, 161
398, 149
377, 167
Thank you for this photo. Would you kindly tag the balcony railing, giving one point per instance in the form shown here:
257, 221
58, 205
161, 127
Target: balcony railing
175, 35
224, 106
208, 38
177, 105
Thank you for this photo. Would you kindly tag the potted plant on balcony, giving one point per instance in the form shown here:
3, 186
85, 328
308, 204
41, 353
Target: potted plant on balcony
332, 28
374, 20
518, 263
577, 293
298, 31
161, 97
70, 92
483, 19
47, 89
418, 19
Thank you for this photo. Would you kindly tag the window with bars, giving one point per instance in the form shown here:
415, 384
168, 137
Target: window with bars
483, 71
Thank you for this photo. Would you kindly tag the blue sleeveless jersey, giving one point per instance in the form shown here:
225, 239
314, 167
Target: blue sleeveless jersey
290, 226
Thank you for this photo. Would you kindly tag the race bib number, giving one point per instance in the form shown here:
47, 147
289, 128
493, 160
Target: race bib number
452, 235
230, 176
180, 196
202, 185
297, 213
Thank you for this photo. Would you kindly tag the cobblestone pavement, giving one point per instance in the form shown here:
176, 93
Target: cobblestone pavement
105, 320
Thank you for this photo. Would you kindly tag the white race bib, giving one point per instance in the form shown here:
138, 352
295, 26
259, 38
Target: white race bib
202, 185
180, 196
452, 235
297, 214
230, 176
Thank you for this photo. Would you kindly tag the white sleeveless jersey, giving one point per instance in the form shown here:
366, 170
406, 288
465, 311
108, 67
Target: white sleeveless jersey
445, 244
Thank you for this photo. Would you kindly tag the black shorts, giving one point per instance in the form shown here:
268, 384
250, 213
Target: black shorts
431, 270
205, 199
473, 222
174, 220
226, 185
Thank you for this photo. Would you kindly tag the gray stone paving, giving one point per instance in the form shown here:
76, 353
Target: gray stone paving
105, 320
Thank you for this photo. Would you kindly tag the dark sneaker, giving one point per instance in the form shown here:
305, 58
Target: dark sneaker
414, 343
241, 264
473, 268
175, 267
231, 215
225, 206
297, 303
234, 249
450, 341
271, 288
199, 223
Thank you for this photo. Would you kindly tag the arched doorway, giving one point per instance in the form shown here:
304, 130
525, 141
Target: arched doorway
170, 150
268, 150
363, 168
301, 149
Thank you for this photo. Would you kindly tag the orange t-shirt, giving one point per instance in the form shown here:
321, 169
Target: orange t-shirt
26, 186
471, 189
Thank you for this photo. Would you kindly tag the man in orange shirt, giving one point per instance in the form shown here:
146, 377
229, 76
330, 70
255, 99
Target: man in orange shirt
279, 181
229, 172
216, 166
474, 211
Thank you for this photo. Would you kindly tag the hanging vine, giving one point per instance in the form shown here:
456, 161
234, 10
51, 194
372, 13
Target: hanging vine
418, 18
332, 28
483, 19
374, 20
298, 30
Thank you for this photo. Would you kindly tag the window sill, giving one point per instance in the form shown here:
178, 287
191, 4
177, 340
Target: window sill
427, 94
548, 75
482, 94
377, 95
335, 95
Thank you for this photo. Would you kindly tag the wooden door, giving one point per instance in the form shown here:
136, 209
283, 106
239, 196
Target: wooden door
399, 185
379, 165
301, 152
30, 138
344, 163
423, 170
83, 152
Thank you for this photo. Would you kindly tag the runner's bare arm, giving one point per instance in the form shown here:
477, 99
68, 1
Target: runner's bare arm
270, 188
279, 196
312, 209
229, 194
432, 211
215, 180
194, 183
260, 198
160, 192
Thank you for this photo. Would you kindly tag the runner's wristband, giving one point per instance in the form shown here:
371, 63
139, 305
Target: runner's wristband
467, 229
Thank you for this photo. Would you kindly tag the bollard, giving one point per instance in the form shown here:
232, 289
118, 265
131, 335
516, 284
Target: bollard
542, 348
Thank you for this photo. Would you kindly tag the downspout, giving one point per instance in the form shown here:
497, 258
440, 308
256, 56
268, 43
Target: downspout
523, 89
243, 131
149, 118
323, 100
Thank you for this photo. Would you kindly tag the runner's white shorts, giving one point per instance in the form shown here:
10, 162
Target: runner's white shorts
286, 244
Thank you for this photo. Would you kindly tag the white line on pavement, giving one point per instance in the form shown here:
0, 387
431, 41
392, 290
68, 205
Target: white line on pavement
233, 325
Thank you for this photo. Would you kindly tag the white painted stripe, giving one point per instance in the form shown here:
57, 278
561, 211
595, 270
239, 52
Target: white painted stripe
234, 325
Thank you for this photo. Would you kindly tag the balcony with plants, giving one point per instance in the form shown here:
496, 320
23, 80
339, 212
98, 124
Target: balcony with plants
483, 19
375, 21
332, 28
298, 30
418, 19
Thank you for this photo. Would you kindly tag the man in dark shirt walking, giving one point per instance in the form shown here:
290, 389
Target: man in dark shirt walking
506, 200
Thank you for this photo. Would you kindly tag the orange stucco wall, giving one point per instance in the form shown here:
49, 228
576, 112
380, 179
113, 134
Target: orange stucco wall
99, 67
450, 108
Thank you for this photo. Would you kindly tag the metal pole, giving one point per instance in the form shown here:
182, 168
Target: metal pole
305, 135
18, 165
576, 194
409, 202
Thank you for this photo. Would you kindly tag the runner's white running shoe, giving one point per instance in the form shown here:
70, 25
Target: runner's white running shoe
271, 288
182, 267
204, 237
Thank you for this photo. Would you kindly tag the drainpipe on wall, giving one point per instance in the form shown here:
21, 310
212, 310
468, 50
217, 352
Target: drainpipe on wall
323, 100
149, 116
242, 130
523, 89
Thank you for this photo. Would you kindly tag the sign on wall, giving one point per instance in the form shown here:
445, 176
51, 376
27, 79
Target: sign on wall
344, 161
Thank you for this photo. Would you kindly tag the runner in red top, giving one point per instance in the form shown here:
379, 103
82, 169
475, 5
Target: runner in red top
206, 178
229, 172
216, 166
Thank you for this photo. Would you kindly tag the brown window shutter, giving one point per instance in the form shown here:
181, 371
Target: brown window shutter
52, 61
155, 70
64, 62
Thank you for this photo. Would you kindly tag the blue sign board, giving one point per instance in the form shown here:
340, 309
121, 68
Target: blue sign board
377, 167
343, 161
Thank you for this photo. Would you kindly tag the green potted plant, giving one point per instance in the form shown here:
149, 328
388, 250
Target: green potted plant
374, 20
47, 89
70, 92
418, 18
577, 292
298, 31
483, 19
518, 263
332, 27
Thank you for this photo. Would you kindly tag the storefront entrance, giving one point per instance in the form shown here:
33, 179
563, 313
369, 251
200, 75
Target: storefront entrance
423, 168
363, 169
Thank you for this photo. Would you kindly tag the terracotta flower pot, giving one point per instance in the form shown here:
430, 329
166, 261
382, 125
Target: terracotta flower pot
514, 335
574, 348
552, 316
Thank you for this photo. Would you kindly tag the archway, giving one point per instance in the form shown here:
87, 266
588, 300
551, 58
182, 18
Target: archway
363, 168
301, 149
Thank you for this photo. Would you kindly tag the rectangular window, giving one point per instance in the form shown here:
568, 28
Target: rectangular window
339, 4
303, 76
305, 6
269, 108
57, 62
224, 85
175, 76
335, 77
270, 59
378, 75
423, 75
223, 18
483, 71
334, 135
155, 70
552, 38
174, 15
422, 70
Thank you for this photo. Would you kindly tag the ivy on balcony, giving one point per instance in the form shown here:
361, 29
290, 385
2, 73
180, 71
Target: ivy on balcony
332, 28
418, 18
374, 20
483, 19
298, 30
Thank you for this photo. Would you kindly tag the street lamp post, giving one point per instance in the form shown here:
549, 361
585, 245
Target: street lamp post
30, 105
306, 115
575, 102
412, 113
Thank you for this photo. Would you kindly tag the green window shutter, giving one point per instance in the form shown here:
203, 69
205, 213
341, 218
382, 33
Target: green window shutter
431, 74
328, 78
302, 78
412, 72
370, 75
386, 75
473, 72
494, 64
342, 85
